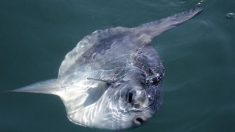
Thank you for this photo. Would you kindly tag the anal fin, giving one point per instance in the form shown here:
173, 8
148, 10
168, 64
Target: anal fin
45, 87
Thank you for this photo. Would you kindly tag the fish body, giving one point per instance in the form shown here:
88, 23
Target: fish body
112, 78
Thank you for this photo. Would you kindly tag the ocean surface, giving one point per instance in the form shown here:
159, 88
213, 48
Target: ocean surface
199, 57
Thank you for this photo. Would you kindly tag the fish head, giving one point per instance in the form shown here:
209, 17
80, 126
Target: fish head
134, 98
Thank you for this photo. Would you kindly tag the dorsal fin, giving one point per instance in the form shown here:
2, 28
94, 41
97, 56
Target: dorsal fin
155, 28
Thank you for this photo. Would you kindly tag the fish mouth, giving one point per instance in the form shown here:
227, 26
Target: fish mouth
139, 120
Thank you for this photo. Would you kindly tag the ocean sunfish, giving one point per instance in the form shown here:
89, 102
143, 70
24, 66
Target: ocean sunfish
112, 78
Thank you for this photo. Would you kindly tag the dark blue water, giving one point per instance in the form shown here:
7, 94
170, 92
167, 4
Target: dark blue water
199, 57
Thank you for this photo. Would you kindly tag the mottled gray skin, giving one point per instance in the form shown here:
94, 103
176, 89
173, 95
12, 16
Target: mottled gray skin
112, 78
128, 65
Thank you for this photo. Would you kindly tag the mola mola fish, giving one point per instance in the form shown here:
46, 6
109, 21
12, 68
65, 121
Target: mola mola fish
112, 78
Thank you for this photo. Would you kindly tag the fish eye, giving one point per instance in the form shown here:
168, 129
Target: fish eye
130, 97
